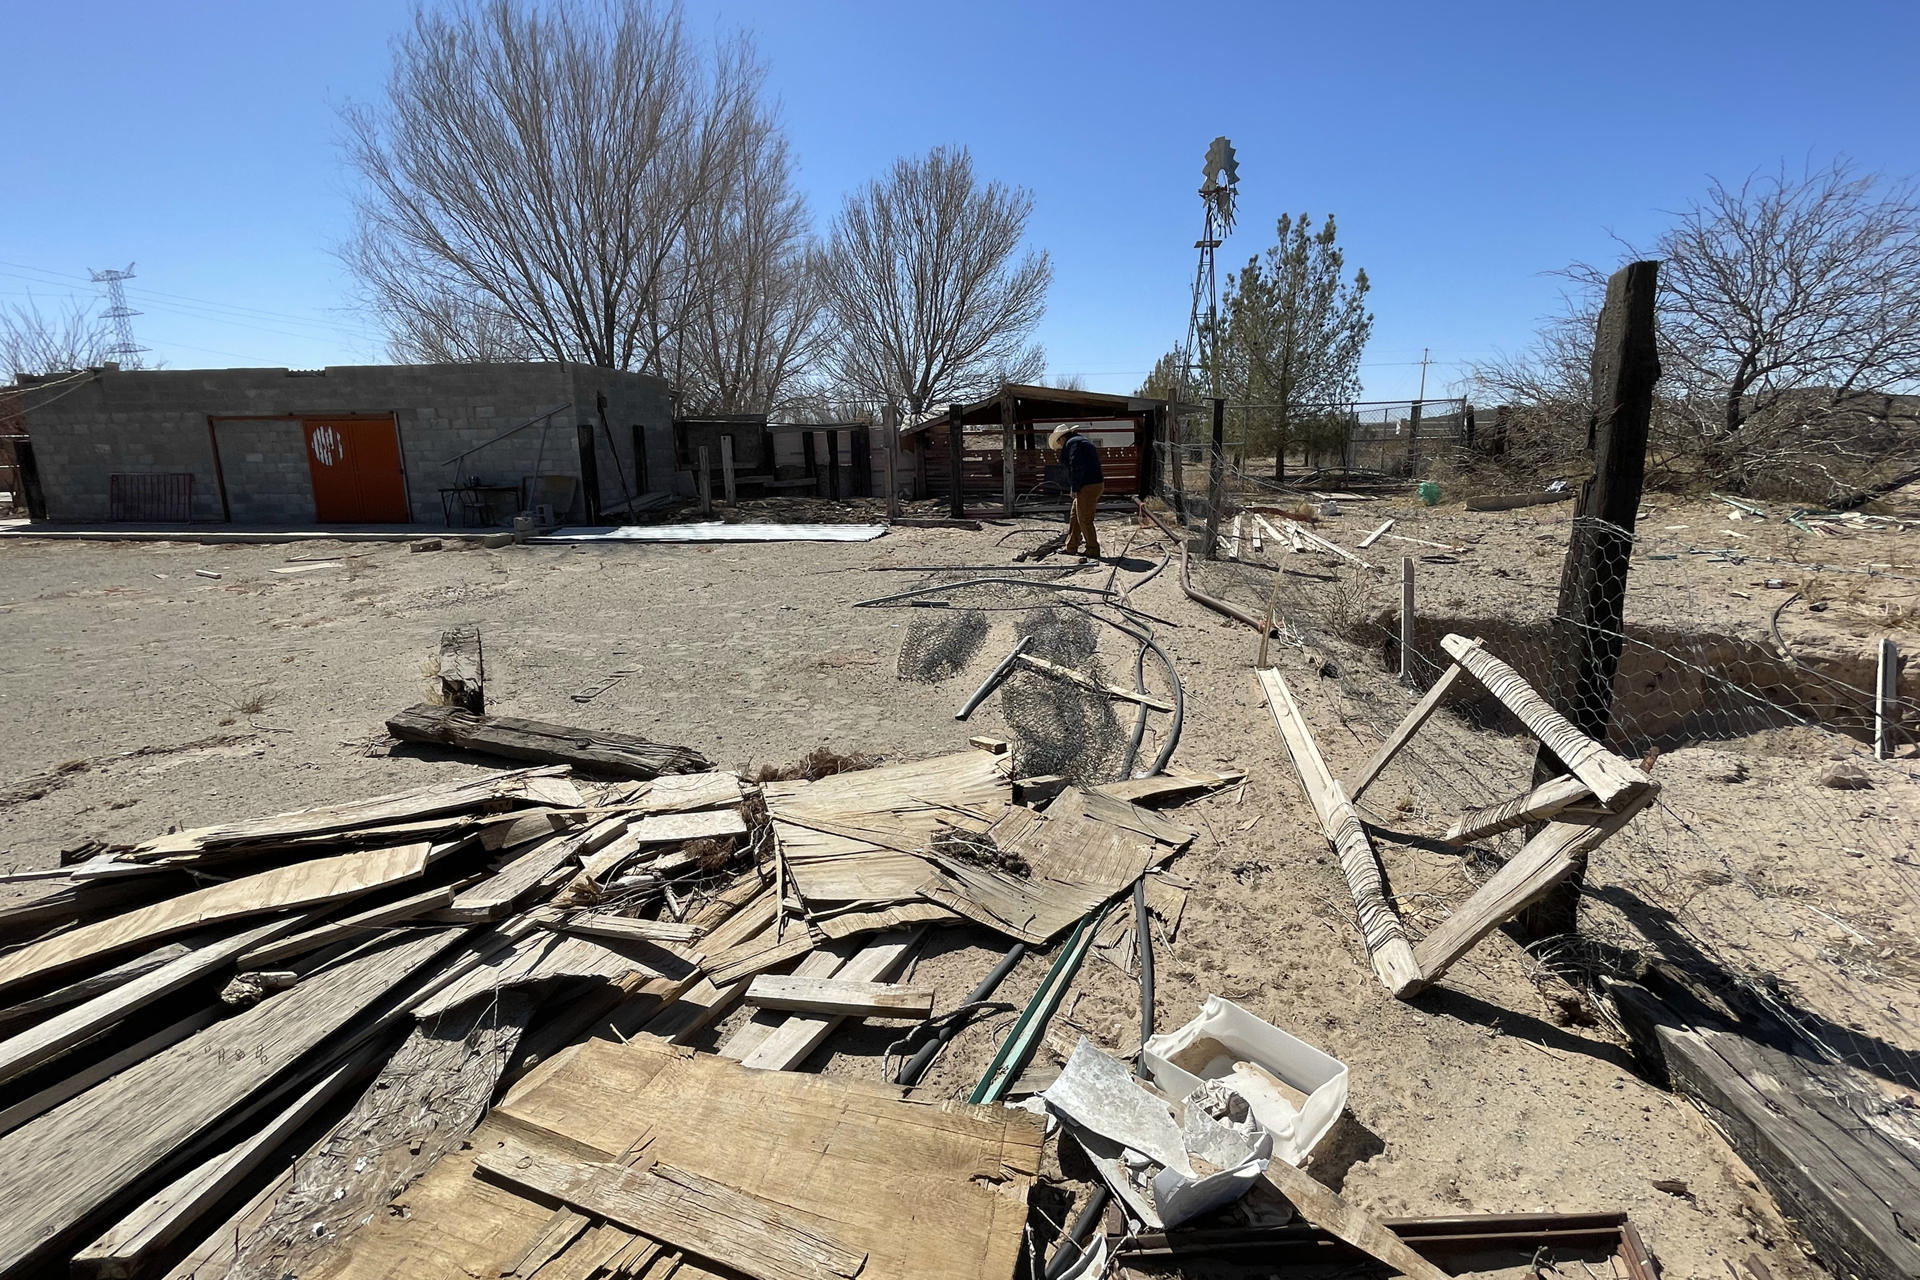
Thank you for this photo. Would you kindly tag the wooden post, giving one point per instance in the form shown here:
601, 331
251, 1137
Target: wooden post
1886, 701
833, 464
703, 482
808, 459
1406, 619
1585, 648
860, 462
890, 423
463, 670
1007, 486
726, 468
955, 444
1176, 440
589, 472
1216, 486
1413, 438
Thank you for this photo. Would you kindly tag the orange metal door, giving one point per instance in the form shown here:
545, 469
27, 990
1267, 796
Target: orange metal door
357, 477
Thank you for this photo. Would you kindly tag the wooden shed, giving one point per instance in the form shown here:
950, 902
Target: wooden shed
1004, 463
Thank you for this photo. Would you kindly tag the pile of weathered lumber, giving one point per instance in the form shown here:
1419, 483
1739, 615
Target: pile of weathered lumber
223, 1052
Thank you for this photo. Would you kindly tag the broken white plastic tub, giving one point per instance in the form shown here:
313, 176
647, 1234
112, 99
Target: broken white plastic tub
1312, 1085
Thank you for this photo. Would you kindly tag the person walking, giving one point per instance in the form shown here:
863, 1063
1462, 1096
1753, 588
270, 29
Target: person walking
1082, 460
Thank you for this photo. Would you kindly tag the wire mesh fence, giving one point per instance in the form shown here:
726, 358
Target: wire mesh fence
1778, 865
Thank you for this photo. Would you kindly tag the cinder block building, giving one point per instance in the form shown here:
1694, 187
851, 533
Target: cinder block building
450, 444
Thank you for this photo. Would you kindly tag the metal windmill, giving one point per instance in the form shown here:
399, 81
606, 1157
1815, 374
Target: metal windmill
1200, 367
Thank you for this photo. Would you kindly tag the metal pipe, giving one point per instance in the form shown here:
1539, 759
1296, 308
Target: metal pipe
981, 568
1143, 938
1073, 1245
998, 674
917, 1065
461, 457
974, 582
1026, 1030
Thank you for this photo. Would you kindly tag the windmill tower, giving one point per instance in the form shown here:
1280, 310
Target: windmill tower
124, 351
1200, 367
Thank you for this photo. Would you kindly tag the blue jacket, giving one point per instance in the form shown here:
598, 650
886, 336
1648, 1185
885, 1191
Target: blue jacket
1082, 459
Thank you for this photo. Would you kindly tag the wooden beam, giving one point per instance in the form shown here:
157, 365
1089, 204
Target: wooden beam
1326, 1210
726, 471
1556, 853
594, 924
744, 961
1612, 780
601, 751
127, 1247
1071, 676
463, 670
74, 1164
840, 997
414, 904
801, 1034
78, 1082
1393, 956
1375, 536
1428, 704
1507, 502
300, 884
747, 1234
1537, 805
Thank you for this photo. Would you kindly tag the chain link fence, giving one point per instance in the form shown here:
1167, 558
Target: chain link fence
1778, 866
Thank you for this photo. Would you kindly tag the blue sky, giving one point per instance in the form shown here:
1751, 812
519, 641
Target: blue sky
1465, 148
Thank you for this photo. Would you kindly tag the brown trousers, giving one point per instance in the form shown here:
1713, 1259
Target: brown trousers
1086, 499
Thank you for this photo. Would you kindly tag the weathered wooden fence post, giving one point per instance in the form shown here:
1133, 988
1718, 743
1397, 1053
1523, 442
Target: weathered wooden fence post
1886, 701
1586, 635
1406, 619
1216, 486
703, 482
726, 469
890, 423
955, 444
1008, 489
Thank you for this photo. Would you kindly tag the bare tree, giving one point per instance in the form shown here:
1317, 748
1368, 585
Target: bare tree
537, 171
1789, 328
752, 328
34, 343
926, 301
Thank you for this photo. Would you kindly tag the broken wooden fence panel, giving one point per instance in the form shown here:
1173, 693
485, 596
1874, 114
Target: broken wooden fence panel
1543, 802
1428, 704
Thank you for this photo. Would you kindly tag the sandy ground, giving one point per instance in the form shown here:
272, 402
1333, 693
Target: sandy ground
139, 695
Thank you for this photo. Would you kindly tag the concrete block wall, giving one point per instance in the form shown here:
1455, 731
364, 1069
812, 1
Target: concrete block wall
264, 463
158, 421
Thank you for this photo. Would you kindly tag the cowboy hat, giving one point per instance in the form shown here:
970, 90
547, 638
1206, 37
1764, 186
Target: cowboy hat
1059, 436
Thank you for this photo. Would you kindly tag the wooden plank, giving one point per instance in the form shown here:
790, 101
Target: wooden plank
744, 961
620, 755
424, 1103
748, 1234
93, 984
1510, 501
299, 885
673, 792
83, 1157
498, 895
674, 828
1611, 779
1087, 682
414, 904
48, 1040
1812, 1131
463, 670
801, 1034
594, 1250
78, 1082
555, 1236
1302, 533
1328, 1211
1428, 704
1393, 956
1172, 786
125, 1249
1559, 850
534, 786
823, 962
600, 924
1375, 536
1537, 805
840, 997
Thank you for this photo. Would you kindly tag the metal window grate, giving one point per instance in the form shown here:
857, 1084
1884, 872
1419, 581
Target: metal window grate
165, 497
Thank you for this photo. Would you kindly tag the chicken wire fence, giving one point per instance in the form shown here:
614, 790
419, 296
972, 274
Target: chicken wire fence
1759, 871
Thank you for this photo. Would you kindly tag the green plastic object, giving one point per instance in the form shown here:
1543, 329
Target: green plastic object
1430, 493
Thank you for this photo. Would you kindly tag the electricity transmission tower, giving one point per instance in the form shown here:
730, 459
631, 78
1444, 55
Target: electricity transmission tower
124, 350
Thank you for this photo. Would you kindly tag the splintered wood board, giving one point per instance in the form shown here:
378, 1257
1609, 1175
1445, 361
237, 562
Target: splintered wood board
854, 1154
840, 997
301, 884
58, 1171
545, 785
677, 791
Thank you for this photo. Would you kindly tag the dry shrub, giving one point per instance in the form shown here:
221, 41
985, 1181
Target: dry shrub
821, 762
712, 854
